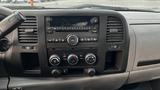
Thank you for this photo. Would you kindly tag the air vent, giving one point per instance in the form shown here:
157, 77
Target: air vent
27, 31
114, 30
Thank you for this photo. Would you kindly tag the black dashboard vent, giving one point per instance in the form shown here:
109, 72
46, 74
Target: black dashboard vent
114, 30
28, 31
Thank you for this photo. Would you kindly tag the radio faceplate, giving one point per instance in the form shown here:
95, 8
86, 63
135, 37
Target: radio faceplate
72, 29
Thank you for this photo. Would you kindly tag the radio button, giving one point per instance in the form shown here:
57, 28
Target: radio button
49, 32
94, 31
94, 39
62, 40
81, 39
56, 40
85, 39
88, 39
49, 41
59, 40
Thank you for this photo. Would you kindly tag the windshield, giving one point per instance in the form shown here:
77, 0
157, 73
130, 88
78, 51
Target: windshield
138, 4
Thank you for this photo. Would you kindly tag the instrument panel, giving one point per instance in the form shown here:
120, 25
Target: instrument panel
70, 42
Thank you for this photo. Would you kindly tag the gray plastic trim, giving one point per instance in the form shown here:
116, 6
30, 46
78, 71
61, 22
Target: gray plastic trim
3, 83
132, 50
147, 45
144, 45
109, 82
144, 75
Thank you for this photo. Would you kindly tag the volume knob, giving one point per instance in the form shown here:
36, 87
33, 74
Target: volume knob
72, 39
54, 60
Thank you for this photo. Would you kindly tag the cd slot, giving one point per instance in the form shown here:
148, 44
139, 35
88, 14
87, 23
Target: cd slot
72, 28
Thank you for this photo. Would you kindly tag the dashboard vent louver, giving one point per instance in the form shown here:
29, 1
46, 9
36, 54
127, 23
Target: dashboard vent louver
28, 31
114, 30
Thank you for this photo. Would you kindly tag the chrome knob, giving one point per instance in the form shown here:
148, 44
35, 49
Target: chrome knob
90, 58
54, 60
72, 59
72, 39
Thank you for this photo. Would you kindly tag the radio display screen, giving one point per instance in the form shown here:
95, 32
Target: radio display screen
73, 22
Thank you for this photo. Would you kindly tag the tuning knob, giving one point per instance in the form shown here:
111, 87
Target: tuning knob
56, 72
72, 59
54, 60
72, 39
90, 58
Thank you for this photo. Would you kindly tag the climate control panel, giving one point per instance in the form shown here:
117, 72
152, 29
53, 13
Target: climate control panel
60, 60
73, 59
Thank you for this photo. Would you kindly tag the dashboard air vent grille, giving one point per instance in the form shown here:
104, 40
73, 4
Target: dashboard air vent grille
114, 30
28, 31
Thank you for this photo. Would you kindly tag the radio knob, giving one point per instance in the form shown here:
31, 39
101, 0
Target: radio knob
72, 39
94, 20
54, 60
90, 58
72, 59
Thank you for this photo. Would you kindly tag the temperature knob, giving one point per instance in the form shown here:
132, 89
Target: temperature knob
72, 39
72, 59
54, 60
90, 58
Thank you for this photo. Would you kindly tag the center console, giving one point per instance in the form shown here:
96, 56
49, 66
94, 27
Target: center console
70, 43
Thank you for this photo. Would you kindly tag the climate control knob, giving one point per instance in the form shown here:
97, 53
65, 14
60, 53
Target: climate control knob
54, 60
72, 59
90, 58
72, 39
